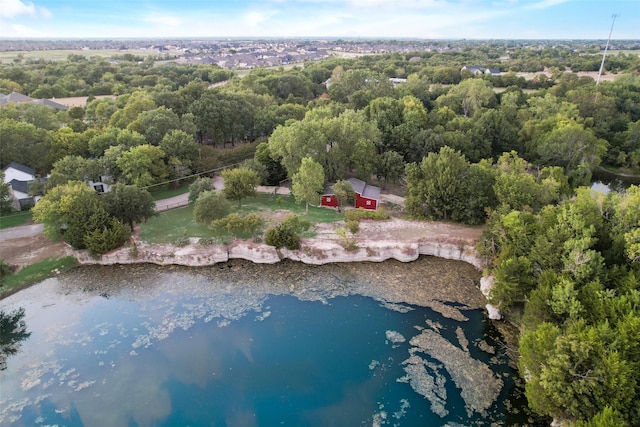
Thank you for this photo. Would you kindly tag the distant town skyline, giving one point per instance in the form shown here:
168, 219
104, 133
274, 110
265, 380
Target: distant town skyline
413, 19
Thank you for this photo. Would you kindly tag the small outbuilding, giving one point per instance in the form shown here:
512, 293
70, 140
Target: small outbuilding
329, 200
367, 196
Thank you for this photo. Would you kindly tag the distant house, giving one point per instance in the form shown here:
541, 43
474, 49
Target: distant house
18, 98
396, 81
478, 70
50, 103
367, 196
100, 184
18, 177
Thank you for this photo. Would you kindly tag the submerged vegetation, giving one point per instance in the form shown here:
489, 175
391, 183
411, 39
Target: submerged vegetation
514, 150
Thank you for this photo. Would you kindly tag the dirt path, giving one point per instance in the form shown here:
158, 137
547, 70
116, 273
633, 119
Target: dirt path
29, 250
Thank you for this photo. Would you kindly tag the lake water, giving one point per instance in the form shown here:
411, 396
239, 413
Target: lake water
244, 345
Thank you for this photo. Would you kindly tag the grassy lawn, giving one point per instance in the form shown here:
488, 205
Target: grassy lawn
175, 224
171, 225
62, 54
13, 220
267, 202
159, 193
36, 272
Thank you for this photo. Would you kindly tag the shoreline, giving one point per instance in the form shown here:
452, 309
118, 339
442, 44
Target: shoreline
325, 248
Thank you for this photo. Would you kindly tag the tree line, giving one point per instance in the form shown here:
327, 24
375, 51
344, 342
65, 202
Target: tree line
566, 261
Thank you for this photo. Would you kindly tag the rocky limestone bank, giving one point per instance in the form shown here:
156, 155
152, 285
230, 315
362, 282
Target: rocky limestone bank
313, 251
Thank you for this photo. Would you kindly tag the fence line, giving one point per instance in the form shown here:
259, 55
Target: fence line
168, 206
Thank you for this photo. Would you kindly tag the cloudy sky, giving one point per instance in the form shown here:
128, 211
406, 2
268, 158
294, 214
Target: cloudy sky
503, 19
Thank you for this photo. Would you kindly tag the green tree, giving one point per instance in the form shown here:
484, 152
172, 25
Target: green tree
390, 166
343, 191
573, 147
73, 168
71, 211
129, 203
608, 417
295, 141
468, 97
435, 186
155, 124
240, 183
181, 151
135, 104
110, 235
573, 375
143, 165
308, 182
514, 280
210, 206
287, 233
198, 186
5, 271
5, 196
102, 141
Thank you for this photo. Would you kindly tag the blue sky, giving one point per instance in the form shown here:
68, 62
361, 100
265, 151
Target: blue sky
472, 19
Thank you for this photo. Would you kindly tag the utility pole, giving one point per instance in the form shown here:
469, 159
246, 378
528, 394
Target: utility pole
604, 55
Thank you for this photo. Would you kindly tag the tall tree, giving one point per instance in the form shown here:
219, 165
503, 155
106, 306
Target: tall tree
71, 211
143, 165
129, 203
240, 183
307, 183
181, 151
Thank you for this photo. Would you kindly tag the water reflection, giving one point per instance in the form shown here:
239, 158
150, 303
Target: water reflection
13, 330
256, 345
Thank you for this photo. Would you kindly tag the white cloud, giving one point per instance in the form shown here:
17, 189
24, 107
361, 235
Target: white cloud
14, 8
397, 4
9, 30
543, 4
256, 18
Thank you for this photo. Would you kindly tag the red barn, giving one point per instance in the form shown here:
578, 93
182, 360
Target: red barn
329, 200
367, 196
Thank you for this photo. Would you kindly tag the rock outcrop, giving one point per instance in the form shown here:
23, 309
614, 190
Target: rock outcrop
321, 251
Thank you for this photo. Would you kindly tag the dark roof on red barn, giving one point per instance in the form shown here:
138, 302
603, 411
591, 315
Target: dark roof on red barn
365, 190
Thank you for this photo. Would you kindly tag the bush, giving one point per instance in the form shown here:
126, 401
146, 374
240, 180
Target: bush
103, 240
198, 186
210, 205
360, 214
353, 226
287, 233
207, 241
5, 270
182, 241
236, 224
282, 237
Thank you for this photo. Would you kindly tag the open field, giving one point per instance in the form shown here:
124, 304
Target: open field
58, 55
593, 74
79, 101
626, 52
